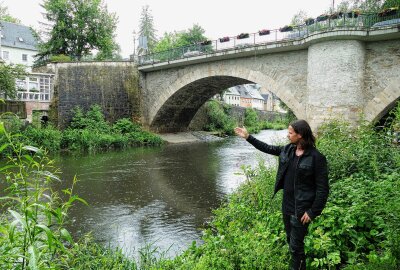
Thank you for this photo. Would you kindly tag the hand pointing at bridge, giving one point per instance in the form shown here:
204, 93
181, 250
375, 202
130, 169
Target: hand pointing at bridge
242, 132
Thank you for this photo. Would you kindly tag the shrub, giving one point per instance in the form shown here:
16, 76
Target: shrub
360, 150
251, 121
219, 120
48, 138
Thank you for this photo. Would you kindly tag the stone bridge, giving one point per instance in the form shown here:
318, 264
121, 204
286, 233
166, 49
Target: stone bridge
337, 74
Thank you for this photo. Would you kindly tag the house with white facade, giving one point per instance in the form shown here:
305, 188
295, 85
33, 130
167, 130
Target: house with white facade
231, 96
246, 95
18, 44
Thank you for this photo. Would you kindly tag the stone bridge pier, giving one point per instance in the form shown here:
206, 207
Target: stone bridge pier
345, 75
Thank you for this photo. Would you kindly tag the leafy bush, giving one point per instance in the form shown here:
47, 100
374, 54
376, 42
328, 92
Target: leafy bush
90, 132
251, 121
125, 126
360, 150
218, 118
359, 224
48, 138
93, 120
33, 235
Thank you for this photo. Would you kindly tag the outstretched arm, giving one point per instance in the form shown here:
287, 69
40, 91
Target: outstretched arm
266, 148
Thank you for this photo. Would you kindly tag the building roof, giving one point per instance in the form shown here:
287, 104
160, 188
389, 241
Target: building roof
244, 93
265, 96
17, 36
253, 91
232, 91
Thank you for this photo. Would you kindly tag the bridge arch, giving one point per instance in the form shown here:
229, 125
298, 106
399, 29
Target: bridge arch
383, 101
180, 102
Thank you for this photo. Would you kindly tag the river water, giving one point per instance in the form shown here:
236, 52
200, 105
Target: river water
160, 196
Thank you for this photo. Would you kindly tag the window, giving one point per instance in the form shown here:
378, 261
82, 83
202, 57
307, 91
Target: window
6, 55
21, 39
24, 57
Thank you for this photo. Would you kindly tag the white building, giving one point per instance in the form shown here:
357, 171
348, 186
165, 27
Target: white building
18, 44
231, 96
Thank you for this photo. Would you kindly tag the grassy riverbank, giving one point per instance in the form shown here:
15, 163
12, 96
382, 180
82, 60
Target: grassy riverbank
357, 230
87, 132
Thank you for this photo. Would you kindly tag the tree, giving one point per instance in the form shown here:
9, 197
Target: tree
8, 75
146, 32
179, 39
299, 18
193, 35
79, 27
368, 5
391, 3
5, 16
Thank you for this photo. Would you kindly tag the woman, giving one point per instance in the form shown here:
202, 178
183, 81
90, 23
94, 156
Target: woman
303, 176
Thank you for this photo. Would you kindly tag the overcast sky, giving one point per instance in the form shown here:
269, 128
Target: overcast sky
217, 17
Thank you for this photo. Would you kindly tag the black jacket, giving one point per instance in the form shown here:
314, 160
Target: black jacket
311, 185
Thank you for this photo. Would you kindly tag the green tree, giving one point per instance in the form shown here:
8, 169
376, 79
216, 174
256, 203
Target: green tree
391, 3
299, 18
79, 27
8, 75
147, 31
368, 5
5, 16
188, 37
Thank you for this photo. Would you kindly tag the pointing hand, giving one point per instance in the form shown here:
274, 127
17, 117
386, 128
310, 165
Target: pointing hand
242, 132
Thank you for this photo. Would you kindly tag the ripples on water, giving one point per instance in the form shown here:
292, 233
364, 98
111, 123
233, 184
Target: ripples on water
157, 195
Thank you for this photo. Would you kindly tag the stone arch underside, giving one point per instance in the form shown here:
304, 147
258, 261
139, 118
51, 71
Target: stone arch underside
383, 101
193, 89
177, 112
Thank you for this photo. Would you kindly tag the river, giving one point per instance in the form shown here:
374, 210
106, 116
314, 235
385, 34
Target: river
160, 196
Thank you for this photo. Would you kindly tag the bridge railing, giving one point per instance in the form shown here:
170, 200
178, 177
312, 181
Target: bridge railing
351, 20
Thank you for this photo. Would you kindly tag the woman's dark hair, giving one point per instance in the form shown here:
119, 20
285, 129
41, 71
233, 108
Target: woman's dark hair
303, 128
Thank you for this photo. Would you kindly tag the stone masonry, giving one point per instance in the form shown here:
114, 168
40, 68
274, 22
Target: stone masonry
337, 74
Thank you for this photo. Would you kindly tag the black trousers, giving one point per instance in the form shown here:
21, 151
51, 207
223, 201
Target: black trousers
295, 233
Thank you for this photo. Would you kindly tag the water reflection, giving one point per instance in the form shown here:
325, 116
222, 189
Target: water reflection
156, 195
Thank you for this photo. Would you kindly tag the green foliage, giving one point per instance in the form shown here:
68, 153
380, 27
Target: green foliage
88, 132
276, 125
77, 28
219, 119
190, 39
391, 3
8, 75
5, 16
48, 137
92, 120
33, 217
359, 224
86, 254
60, 58
147, 30
361, 150
33, 233
251, 121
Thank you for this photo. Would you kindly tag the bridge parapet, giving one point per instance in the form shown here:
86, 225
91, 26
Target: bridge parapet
338, 24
